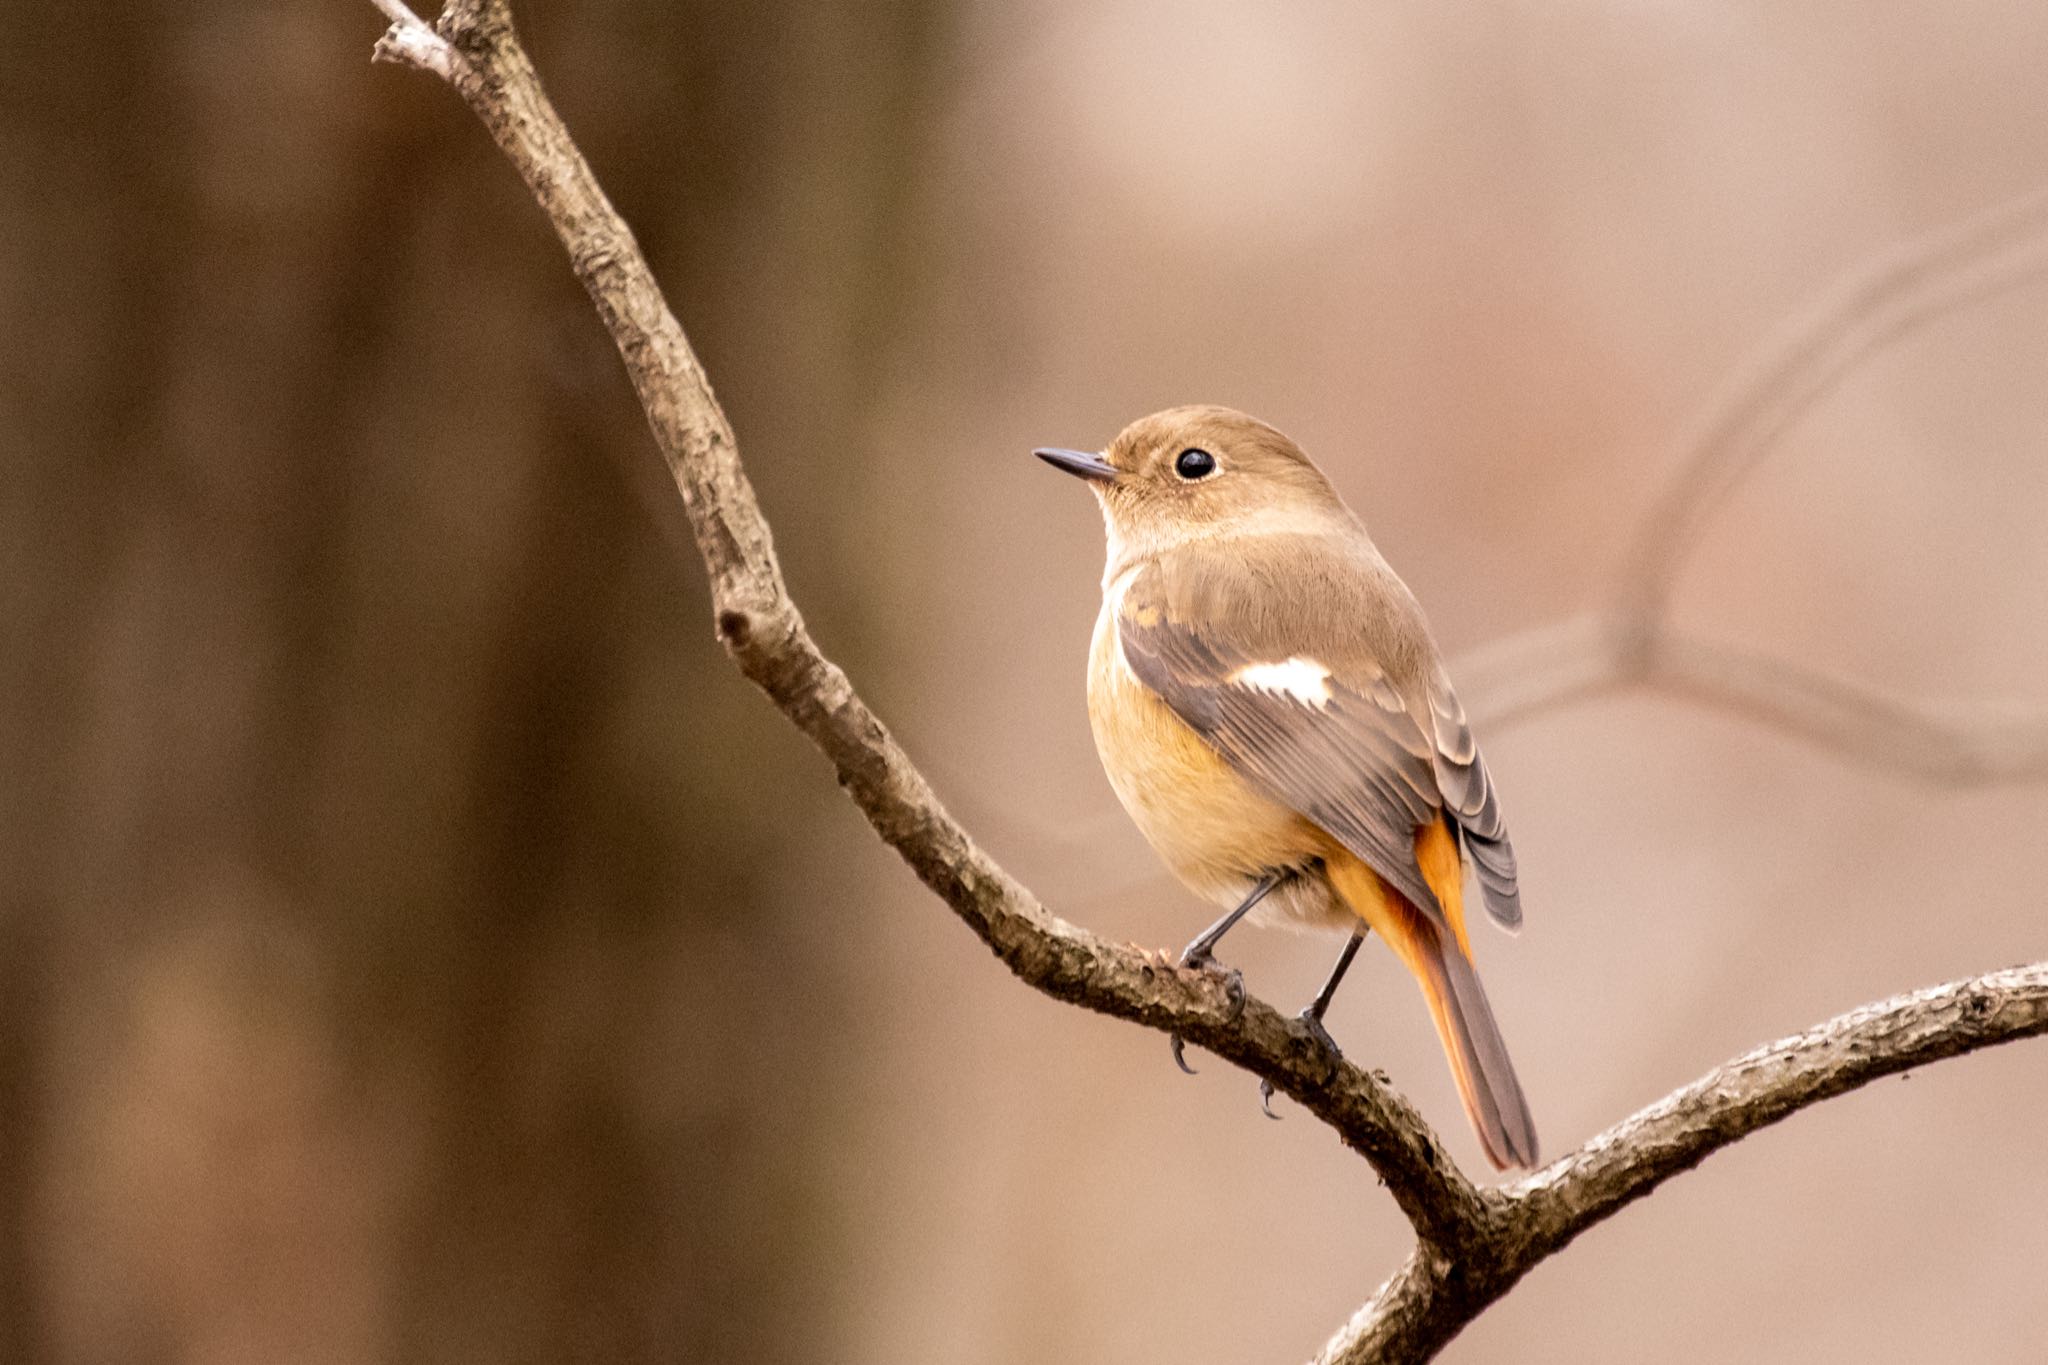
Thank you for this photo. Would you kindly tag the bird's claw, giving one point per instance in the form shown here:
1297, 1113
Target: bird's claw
1200, 959
1197, 959
1316, 1031
1313, 1023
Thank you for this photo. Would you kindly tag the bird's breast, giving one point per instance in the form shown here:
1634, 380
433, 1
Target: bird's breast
1211, 828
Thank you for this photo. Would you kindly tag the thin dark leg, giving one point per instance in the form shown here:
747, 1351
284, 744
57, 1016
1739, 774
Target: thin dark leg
1313, 1015
1202, 952
1320, 1006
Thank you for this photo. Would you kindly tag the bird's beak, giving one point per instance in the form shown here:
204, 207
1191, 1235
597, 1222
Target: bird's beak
1080, 463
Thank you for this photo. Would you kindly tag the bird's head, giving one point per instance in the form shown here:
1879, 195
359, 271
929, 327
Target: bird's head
1197, 473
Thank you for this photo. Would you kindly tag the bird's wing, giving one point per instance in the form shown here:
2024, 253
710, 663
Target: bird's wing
1467, 790
1335, 707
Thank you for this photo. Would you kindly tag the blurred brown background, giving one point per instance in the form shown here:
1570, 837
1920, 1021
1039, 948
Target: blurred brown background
418, 944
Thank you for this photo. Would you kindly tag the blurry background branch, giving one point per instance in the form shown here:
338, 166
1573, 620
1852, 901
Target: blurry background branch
1633, 642
1959, 743
1472, 1247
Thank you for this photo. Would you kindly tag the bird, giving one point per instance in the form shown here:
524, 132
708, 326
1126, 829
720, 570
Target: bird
1275, 717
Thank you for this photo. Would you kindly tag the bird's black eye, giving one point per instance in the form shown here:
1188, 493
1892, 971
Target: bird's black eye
1192, 464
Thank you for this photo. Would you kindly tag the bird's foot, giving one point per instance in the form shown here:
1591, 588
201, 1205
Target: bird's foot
1312, 1022
1202, 960
1198, 958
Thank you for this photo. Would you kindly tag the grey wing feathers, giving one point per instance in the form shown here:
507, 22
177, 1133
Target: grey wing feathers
1365, 764
1359, 765
1469, 797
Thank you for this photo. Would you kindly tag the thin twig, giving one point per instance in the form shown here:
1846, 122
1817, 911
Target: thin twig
410, 42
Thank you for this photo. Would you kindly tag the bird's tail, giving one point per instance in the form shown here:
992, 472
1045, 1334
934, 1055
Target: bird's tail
1464, 1021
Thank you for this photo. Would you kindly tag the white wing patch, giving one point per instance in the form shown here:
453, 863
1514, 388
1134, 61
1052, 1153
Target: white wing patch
1305, 680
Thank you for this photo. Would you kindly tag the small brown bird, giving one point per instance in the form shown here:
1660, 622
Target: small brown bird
1274, 715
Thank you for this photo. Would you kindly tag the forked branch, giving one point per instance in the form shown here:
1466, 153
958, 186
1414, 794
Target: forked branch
1431, 1297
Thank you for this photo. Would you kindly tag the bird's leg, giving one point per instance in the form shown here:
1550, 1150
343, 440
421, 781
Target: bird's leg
1313, 1016
1202, 952
1318, 1007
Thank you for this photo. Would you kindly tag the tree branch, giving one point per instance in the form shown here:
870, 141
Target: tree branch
1431, 1297
410, 42
1471, 1247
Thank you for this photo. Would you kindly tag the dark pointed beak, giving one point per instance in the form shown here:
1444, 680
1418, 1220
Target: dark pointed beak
1079, 463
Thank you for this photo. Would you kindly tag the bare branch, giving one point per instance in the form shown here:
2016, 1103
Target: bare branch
410, 42
1433, 1296
1772, 1082
1471, 1246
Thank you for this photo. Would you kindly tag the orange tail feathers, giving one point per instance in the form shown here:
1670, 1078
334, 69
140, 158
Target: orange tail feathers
1464, 1020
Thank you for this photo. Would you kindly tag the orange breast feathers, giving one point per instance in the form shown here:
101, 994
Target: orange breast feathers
1210, 827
